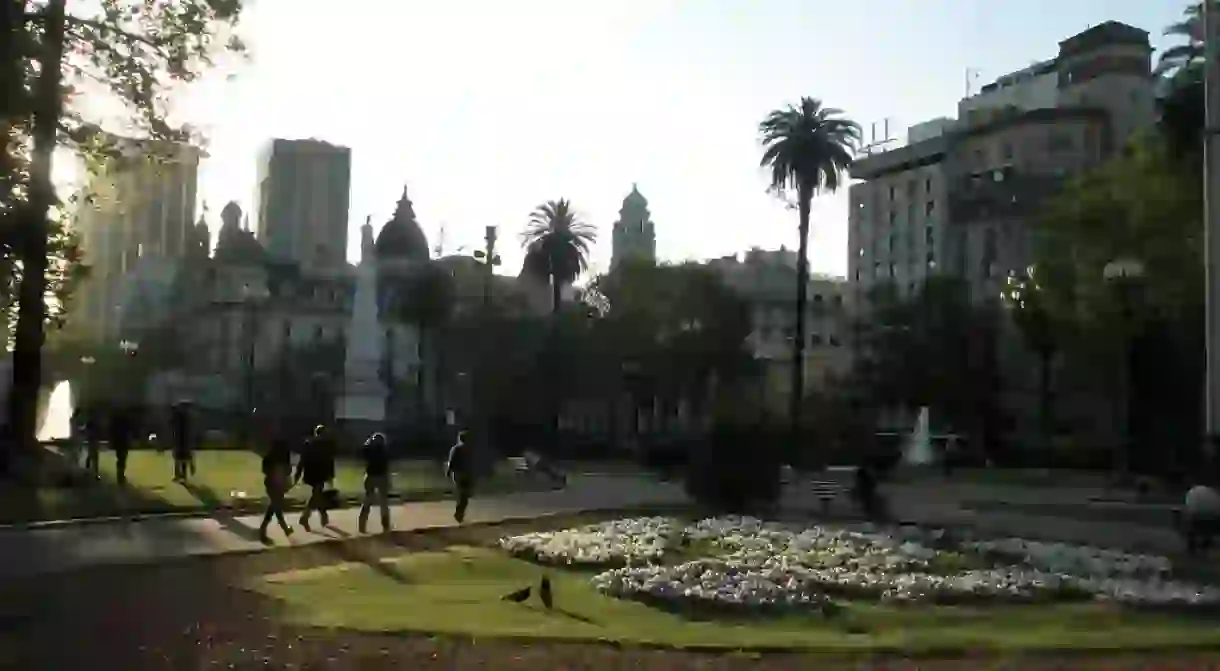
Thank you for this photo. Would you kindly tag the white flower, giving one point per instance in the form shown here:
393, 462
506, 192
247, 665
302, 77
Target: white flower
625, 541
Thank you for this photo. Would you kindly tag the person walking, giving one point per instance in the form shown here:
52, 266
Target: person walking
180, 427
93, 440
316, 468
122, 429
460, 469
277, 480
376, 481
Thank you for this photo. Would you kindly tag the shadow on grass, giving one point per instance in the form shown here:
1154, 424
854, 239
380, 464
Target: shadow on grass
229, 522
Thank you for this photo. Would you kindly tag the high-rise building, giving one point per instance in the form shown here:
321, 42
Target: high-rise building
634, 236
958, 196
139, 211
302, 199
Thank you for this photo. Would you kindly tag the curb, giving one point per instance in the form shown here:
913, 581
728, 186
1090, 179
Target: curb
347, 502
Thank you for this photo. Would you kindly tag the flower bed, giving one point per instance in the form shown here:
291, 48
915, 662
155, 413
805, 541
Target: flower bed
766, 564
617, 543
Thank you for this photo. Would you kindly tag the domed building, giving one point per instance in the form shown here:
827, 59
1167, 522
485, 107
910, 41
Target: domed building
401, 238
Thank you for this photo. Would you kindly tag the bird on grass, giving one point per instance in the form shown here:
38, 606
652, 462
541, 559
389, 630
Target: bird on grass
517, 597
544, 592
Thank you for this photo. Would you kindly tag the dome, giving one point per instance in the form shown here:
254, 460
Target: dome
635, 199
401, 237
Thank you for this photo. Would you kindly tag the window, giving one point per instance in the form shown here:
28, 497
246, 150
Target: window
857, 274
893, 217
893, 271
815, 339
911, 187
891, 193
838, 301
927, 185
891, 243
929, 235
929, 207
833, 340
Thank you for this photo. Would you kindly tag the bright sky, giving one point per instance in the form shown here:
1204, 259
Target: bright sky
487, 108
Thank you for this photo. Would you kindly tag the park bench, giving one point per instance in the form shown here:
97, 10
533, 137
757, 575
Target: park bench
826, 491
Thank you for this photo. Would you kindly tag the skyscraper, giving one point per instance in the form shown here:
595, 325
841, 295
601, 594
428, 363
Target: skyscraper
137, 212
302, 200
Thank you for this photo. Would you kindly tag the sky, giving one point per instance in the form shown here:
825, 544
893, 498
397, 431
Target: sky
487, 108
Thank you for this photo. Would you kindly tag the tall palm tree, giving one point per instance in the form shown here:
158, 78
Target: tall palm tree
1183, 57
557, 246
557, 249
807, 148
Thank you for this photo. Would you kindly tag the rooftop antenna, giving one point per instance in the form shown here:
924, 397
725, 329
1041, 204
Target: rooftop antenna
971, 75
876, 143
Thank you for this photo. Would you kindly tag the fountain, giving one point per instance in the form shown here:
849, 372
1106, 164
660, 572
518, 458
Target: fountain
918, 448
55, 418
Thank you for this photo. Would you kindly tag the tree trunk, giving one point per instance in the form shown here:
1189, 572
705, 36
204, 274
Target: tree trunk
32, 237
553, 367
796, 400
1045, 358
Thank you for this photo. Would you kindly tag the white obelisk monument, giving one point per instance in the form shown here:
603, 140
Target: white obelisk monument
360, 408
918, 448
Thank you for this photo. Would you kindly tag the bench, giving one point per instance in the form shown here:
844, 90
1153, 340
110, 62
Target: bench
519, 464
826, 491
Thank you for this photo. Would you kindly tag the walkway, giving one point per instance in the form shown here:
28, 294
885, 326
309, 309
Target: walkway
41, 551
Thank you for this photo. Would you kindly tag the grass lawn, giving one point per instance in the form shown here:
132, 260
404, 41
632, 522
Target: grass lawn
224, 478
457, 591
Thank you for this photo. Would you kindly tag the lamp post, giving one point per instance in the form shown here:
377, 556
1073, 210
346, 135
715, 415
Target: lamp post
1211, 228
251, 296
1126, 276
489, 259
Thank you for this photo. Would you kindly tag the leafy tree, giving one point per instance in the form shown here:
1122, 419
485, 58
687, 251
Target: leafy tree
1024, 298
557, 246
1181, 57
137, 50
1146, 206
807, 148
931, 349
1181, 109
427, 300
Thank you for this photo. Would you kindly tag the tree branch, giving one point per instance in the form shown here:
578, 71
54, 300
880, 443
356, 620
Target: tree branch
105, 30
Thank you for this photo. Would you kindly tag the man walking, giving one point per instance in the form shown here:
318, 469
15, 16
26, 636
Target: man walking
277, 472
376, 481
460, 469
184, 457
316, 468
93, 438
122, 429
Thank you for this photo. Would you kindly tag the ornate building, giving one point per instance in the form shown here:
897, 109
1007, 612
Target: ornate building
634, 236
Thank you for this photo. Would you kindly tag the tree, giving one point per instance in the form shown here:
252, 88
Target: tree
1141, 205
426, 301
557, 246
1181, 57
1024, 298
1181, 109
807, 149
136, 49
931, 349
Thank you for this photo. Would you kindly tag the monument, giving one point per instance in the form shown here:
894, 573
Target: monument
918, 448
361, 406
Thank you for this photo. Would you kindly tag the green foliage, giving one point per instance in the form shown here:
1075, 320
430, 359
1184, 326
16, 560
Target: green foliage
807, 148
931, 349
557, 245
737, 469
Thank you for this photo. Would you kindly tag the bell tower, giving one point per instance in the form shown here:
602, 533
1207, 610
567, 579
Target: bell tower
634, 236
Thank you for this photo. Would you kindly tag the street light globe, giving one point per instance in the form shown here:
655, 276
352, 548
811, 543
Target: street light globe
1123, 269
88, 360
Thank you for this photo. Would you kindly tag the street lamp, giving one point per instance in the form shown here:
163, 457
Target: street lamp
1126, 276
251, 297
489, 259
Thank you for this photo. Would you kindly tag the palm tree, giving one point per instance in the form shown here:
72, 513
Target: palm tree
557, 245
807, 148
1183, 57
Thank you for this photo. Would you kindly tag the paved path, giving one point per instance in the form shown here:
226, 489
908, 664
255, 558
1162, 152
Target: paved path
40, 551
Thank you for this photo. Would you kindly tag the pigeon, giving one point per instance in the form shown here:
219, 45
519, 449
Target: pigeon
517, 597
544, 592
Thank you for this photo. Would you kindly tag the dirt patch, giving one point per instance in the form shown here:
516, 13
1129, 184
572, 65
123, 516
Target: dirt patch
188, 615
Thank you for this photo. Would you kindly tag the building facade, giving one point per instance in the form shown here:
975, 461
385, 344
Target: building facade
303, 198
136, 221
766, 280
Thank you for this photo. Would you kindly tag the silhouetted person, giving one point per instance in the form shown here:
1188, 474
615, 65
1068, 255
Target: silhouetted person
460, 469
376, 480
316, 468
122, 430
866, 491
544, 593
93, 440
277, 480
184, 454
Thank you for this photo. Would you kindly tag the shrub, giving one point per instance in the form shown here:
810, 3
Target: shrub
737, 469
